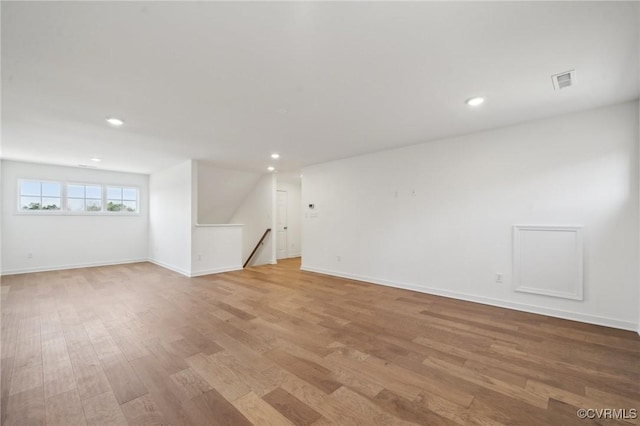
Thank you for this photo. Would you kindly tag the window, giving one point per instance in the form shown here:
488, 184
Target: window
38, 195
84, 198
121, 199
46, 197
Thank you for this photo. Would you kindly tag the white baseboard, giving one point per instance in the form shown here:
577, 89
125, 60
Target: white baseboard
190, 274
216, 271
285, 258
123, 262
170, 267
72, 266
574, 316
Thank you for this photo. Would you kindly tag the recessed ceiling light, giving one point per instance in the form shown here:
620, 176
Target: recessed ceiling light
115, 121
97, 160
475, 101
275, 155
271, 168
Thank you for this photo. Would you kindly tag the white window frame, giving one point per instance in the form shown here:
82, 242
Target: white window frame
63, 199
45, 212
82, 212
120, 212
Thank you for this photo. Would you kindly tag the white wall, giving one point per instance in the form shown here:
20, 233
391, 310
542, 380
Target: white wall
215, 249
221, 191
1, 221
291, 183
61, 241
455, 233
170, 217
256, 214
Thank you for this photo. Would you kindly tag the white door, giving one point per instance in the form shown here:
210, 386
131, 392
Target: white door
281, 229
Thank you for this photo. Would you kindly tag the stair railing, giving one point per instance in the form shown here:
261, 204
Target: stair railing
256, 247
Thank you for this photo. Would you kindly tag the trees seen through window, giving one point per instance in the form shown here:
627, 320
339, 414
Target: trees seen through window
38, 195
76, 198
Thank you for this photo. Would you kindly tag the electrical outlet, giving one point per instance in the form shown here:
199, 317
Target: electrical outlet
338, 258
29, 255
199, 257
499, 277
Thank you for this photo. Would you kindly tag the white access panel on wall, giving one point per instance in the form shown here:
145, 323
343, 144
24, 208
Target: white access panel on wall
549, 260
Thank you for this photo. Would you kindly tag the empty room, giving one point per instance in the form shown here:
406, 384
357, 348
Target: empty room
320, 213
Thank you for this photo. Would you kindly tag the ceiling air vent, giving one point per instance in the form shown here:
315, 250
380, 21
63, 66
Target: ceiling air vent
564, 79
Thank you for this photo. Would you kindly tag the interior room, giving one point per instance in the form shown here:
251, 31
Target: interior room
320, 213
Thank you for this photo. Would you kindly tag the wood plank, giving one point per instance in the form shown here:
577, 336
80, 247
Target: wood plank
123, 380
139, 344
65, 409
316, 399
28, 351
6, 369
103, 410
363, 409
235, 311
26, 408
219, 376
259, 412
166, 354
204, 344
291, 407
87, 369
191, 384
219, 411
26, 378
130, 346
143, 411
308, 371
505, 388
457, 413
59, 378
411, 411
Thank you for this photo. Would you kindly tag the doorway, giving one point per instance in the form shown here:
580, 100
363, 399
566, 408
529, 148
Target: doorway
281, 225
287, 209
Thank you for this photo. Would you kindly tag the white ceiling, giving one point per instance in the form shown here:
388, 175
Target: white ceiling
232, 82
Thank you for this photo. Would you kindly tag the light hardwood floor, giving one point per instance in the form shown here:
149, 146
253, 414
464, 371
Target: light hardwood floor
137, 344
